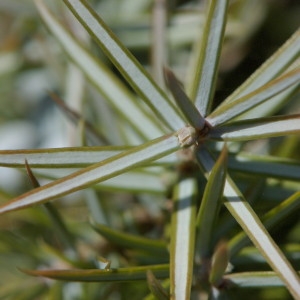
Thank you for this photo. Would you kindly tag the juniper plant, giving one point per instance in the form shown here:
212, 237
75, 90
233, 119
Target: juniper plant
185, 135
